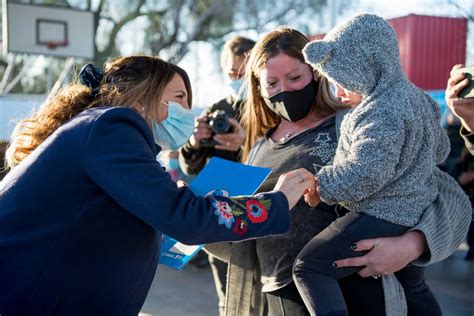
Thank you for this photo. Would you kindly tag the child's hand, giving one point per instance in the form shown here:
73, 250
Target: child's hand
311, 195
294, 184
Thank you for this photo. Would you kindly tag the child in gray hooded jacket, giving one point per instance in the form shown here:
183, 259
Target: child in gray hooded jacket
384, 168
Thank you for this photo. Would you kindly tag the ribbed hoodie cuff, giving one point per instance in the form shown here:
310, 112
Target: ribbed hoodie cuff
324, 188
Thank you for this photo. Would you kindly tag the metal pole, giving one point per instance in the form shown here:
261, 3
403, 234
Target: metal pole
8, 71
15, 80
49, 73
67, 67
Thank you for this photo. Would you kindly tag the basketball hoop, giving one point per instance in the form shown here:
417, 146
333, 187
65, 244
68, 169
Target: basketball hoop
47, 30
55, 44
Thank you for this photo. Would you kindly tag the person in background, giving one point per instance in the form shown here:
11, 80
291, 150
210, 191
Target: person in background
464, 109
461, 107
451, 123
466, 180
194, 156
84, 206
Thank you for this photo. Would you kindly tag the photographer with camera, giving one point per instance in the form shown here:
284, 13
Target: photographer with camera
223, 139
218, 133
459, 96
462, 107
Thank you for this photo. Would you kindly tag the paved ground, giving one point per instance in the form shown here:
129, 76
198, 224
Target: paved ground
191, 291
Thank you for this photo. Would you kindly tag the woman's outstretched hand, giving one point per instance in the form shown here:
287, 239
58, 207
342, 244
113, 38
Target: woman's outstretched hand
181, 183
295, 184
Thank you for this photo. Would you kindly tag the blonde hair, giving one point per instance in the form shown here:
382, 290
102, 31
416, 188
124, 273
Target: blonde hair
257, 118
126, 80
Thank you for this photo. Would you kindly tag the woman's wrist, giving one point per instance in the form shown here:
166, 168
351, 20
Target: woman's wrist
416, 243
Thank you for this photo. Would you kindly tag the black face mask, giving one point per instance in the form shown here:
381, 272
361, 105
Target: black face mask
293, 105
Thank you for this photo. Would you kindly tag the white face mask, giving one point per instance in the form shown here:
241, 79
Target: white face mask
238, 89
174, 131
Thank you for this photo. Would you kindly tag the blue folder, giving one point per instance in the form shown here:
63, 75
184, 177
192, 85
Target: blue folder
219, 177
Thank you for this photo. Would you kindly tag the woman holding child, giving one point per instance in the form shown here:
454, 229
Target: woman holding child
292, 121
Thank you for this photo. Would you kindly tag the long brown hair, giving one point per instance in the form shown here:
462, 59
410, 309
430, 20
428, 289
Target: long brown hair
257, 118
126, 80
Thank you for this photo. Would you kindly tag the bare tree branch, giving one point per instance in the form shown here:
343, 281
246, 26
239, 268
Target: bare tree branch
158, 46
100, 7
467, 14
119, 25
215, 9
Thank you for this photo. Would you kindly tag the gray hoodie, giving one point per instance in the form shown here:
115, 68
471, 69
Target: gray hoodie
391, 143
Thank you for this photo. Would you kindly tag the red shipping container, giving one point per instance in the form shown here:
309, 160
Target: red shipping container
316, 37
429, 47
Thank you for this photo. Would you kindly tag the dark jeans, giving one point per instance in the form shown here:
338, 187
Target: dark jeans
363, 296
420, 299
316, 278
286, 302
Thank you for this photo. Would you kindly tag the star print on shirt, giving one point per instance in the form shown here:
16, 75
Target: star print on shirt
325, 150
323, 138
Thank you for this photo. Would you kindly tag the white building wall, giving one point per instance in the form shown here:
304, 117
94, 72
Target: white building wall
15, 107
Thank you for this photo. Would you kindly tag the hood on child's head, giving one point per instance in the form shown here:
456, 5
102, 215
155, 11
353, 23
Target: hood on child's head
360, 54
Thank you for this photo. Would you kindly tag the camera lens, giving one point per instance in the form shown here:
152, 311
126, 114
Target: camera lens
220, 123
220, 126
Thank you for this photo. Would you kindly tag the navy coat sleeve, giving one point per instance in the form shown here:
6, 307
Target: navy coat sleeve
120, 160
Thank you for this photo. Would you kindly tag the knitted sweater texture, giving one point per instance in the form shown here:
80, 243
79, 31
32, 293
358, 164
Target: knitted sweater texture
391, 143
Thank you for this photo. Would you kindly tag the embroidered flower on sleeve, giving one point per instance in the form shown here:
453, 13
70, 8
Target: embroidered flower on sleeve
240, 227
224, 213
236, 212
256, 211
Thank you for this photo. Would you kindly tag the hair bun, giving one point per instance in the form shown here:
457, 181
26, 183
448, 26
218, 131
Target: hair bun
91, 76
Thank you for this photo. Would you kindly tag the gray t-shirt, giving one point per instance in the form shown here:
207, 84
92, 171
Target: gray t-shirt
311, 149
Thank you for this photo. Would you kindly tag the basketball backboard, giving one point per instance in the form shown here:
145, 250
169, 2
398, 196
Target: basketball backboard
47, 30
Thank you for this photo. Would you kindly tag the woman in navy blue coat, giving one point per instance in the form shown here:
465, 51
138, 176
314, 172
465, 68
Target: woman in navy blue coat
85, 203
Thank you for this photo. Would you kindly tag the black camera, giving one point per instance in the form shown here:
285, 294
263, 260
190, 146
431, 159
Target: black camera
468, 91
219, 122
